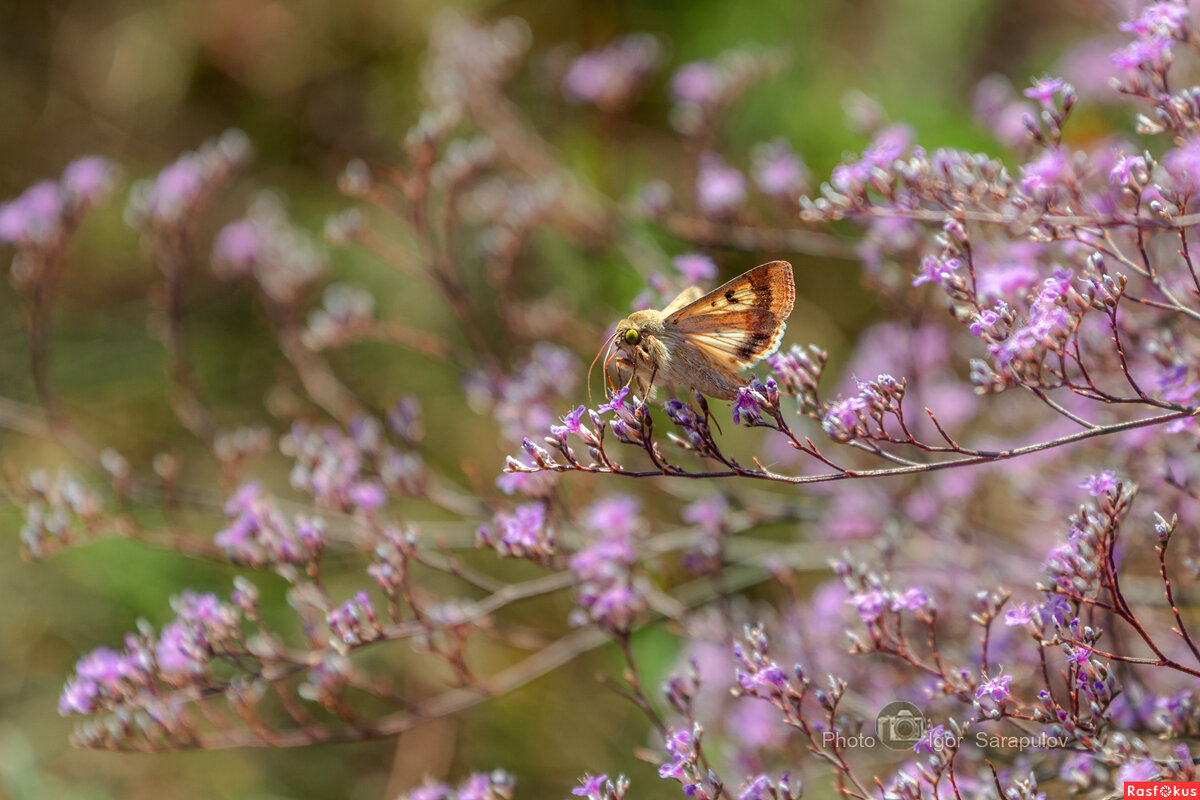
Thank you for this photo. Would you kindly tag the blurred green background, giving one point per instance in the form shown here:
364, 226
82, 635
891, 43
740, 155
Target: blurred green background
314, 84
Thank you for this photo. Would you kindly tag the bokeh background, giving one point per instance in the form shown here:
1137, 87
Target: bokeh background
314, 84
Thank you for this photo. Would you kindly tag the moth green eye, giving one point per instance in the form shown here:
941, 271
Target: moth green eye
632, 337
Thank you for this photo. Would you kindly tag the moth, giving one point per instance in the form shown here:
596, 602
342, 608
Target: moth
701, 341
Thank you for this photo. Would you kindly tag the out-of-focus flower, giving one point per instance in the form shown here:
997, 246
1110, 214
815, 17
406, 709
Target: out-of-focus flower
720, 189
85, 180
1044, 90
609, 77
695, 267
1046, 173
1100, 483
281, 258
698, 83
607, 590
1182, 165
778, 171
182, 187
1145, 54
523, 533
34, 218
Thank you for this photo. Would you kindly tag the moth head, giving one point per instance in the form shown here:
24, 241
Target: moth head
633, 331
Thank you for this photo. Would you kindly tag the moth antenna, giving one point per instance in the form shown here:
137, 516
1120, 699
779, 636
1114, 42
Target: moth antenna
607, 344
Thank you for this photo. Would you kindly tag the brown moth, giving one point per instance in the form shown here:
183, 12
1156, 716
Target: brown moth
702, 341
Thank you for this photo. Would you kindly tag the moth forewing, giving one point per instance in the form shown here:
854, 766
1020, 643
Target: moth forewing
769, 286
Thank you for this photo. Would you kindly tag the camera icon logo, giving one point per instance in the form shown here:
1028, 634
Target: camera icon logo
900, 725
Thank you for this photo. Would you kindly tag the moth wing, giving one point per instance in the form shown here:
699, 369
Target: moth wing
742, 321
769, 286
684, 298
735, 339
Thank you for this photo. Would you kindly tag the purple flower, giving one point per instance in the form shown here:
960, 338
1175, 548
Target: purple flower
237, 248
1047, 321
1079, 656
103, 666
204, 611
1182, 164
494, 785
610, 76
1136, 769
708, 513
759, 788
1008, 270
35, 217
996, 106
607, 592
1044, 90
747, 408
1130, 168
1158, 19
679, 746
779, 172
176, 653
769, 675
984, 320
842, 419
695, 267
432, 790
524, 533
616, 402
367, 496
1055, 609
591, 786
616, 606
177, 186
912, 598
524, 526
571, 423
996, 688
1042, 175
1019, 615
1100, 483
86, 179
932, 740
851, 178
697, 83
616, 514
1145, 54
870, 605
937, 270
756, 727
78, 697
888, 146
720, 189
244, 498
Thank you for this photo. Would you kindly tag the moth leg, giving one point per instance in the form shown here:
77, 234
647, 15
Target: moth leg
649, 386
